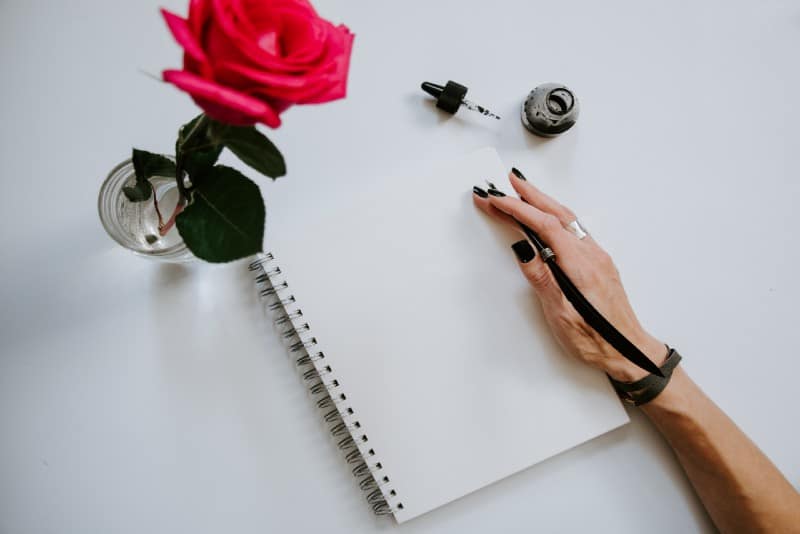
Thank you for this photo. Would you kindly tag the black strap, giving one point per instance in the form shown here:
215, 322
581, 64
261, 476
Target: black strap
648, 388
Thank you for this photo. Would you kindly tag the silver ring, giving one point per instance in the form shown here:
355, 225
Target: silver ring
576, 229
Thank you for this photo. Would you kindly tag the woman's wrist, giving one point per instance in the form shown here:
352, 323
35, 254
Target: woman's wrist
674, 397
622, 370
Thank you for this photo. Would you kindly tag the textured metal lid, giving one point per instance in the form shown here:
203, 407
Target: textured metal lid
550, 109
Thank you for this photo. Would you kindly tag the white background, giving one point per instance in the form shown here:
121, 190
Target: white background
138, 397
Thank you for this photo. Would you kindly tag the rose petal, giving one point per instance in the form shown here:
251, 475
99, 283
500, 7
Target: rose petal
254, 7
199, 11
201, 68
276, 23
294, 88
183, 34
230, 35
223, 103
324, 83
303, 39
220, 47
342, 68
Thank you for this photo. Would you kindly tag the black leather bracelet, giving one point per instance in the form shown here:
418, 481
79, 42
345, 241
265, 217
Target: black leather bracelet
648, 388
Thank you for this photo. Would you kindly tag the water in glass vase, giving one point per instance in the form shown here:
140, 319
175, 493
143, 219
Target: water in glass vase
136, 225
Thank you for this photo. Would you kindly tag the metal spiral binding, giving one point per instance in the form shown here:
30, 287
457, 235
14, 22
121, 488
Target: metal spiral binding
324, 387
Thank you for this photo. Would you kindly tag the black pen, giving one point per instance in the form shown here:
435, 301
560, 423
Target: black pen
589, 313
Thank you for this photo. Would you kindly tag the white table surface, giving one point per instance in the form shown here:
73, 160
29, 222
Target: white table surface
143, 397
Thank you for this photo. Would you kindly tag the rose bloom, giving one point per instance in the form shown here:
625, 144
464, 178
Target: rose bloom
246, 61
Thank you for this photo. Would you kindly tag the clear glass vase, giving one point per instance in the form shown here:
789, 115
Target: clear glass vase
135, 225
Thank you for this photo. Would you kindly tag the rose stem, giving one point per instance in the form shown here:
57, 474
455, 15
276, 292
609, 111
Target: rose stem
155, 205
163, 228
198, 127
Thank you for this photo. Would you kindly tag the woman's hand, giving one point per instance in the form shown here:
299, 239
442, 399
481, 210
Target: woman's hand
589, 267
741, 489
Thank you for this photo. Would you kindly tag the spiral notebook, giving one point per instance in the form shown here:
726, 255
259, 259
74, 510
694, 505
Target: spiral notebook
423, 345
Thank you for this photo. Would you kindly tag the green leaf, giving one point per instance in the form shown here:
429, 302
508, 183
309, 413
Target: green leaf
197, 161
201, 138
253, 148
224, 220
138, 192
201, 151
146, 164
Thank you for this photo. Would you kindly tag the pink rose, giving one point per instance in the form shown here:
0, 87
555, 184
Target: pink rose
246, 61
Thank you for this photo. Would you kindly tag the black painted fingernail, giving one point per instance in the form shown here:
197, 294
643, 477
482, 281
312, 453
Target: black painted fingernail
480, 192
518, 174
524, 251
490, 184
495, 193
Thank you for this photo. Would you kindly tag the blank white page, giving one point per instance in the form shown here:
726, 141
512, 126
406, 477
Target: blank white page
436, 338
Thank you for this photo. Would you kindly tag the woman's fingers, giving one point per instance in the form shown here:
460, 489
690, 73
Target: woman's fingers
537, 273
481, 199
534, 269
546, 225
536, 198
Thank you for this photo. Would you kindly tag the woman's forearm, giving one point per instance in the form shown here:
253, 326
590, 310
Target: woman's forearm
739, 486
741, 489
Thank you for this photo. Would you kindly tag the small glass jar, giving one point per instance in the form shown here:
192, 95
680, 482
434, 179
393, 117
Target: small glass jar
135, 225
